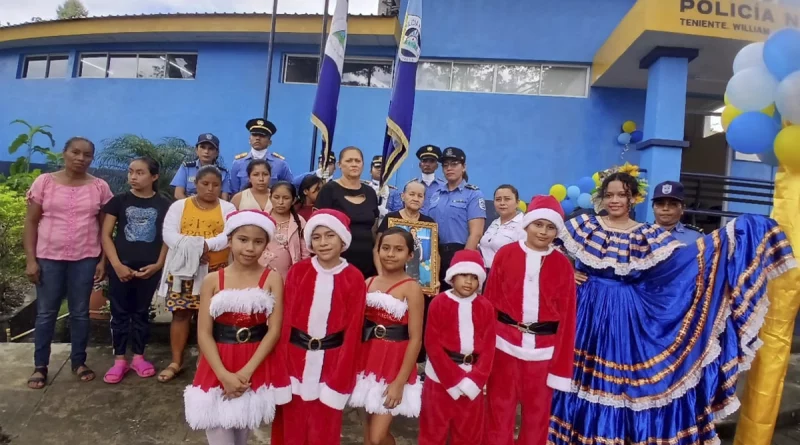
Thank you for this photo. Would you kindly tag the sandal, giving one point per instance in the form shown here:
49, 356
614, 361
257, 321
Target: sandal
117, 372
170, 372
142, 367
36, 382
86, 375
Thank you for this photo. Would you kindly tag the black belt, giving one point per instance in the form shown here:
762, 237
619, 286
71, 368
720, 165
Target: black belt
305, 341
462, 359
224, 333
451, 247
397, 332
542, 328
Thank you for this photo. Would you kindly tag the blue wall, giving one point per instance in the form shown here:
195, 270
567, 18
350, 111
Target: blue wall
752, 170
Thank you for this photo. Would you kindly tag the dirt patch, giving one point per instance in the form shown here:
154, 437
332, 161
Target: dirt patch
12, 297
4, 438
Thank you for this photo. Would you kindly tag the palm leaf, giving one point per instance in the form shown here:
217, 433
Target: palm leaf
18, 142
20, 121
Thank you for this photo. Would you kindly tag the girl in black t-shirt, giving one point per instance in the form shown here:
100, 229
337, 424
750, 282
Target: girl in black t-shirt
134, 248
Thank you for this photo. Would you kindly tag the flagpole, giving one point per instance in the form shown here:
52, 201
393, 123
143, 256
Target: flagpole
323, 37
269, 56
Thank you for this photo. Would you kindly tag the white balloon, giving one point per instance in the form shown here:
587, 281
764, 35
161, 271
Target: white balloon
787, 98
752, 89
750, 56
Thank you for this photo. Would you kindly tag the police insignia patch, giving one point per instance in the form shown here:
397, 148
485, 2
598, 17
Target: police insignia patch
260, 122
666, 189
241, 155
209, 136
471, 187
276, 155
482, 204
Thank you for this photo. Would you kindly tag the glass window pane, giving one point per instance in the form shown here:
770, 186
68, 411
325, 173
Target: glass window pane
518, 79
301, 69
58, 66
122, 66
356, 74
93, 66
473, 77
434, 75
35, 67
181, 66
564, 81
381, 75
152, 67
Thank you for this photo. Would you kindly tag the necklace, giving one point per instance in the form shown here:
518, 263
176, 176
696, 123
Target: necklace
197, 204
613, 226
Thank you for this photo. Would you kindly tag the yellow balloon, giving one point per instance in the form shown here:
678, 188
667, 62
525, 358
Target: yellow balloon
725, 99
559, 192
629, 127
769, 111
787, 148
729, 114
522, 206
596, 178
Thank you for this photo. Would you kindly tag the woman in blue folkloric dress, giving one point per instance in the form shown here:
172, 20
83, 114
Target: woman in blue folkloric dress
662, 331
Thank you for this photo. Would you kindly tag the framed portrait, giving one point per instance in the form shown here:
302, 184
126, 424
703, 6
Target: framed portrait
424, 265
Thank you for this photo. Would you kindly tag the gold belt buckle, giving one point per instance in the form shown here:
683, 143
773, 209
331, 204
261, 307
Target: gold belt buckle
380, 331
311, 344
468, 359
525, 328
240, 332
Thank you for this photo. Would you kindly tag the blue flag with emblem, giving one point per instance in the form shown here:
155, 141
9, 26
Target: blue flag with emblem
323, 115
401, 107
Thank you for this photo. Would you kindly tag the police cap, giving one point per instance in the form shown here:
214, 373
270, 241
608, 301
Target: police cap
453, 153
331, 158
669, 190
261, 126
377, 161
209, 138
429, 151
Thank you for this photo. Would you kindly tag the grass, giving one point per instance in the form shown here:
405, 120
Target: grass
63, 310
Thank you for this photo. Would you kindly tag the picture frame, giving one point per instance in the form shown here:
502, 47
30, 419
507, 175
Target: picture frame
424, 266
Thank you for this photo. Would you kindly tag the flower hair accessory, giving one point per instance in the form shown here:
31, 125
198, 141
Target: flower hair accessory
628, 168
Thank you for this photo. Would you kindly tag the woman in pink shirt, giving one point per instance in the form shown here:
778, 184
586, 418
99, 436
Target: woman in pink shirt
64, 257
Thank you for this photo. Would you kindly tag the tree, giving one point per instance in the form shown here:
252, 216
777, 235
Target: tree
72, 9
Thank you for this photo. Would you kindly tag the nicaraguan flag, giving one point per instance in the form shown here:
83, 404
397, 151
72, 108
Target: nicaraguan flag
401, 108
323, 115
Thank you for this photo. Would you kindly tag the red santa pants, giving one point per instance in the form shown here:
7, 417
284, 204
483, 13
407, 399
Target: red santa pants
306, 423
462, 419
514, 381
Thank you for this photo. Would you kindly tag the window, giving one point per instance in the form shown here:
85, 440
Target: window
357, 72
139, 66
43, 67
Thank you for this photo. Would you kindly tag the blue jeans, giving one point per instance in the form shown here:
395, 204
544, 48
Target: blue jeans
58, 279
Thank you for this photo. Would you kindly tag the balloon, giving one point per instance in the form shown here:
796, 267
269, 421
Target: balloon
726, 100
787, 97
585, 201
521, 206
769, 158
752, 133
586, 184
596, 179
782, 52
749, 56
624, 138
573, 192
558, 191
728, 115
629, 127
752, 89
769, 111
637, 137
787, 148
567, 206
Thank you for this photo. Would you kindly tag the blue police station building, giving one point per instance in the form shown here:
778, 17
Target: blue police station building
535, 92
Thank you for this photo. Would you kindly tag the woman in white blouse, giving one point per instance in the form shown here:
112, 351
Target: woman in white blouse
507, 228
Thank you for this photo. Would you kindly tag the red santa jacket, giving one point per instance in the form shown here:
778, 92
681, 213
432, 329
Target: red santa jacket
531, 287
322, 302
464, 326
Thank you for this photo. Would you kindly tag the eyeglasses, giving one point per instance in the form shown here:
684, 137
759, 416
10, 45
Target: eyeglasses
451, 164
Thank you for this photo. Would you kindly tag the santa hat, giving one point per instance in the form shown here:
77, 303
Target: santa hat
466, 262
332, 219
258, 218
544, 207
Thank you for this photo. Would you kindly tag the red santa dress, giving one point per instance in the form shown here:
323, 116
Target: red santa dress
241, 310
381, 357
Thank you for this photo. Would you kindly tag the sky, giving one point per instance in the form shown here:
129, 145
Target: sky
20, 11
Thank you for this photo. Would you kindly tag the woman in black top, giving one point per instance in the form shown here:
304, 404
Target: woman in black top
358, 201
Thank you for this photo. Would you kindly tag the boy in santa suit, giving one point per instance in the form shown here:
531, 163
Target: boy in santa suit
325, 299
459, 340
532, 286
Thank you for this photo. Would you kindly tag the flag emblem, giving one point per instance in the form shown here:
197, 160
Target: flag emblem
260, 122
410, 45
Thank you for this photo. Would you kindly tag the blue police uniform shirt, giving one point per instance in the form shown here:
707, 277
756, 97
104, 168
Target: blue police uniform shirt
239, 179
684, 234
186, 174
452, 211
396, 202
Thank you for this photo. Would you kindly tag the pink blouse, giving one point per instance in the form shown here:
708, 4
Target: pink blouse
69, 229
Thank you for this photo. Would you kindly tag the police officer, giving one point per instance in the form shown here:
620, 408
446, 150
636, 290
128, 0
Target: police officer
389, 191
668, 207
458, 208
428, 156
326, 173
207, 149
261, 132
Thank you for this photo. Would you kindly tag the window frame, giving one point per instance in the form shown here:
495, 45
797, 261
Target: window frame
369, 59
48, 57
586, 84
108, 54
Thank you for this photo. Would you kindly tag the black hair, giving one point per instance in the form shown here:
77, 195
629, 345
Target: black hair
152, 166
293, 192
214, 161
207, 170
465, 176
351, 148
407, 236
508, 187
74, 139
252, 166
307, 182
629, 184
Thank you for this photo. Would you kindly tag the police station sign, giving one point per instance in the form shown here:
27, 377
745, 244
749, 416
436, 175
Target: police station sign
736, 19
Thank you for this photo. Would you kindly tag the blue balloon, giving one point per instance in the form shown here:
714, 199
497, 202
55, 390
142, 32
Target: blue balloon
624, 138
752, 133
778, 118
586, 184
782, 52
585, 201
567, 206
769, 158
573, 192
637, 136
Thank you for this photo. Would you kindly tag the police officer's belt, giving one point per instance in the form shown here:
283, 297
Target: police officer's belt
543, 328
228, 334
397, 332
307, 342
462, 359
451, 247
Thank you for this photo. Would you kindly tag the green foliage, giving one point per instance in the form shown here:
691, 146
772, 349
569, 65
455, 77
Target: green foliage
12, 217
72, 9
21, 176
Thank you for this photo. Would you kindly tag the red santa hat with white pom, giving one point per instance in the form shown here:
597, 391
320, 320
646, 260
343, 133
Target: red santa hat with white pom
332, 219
242, 218
544, 207
466, 262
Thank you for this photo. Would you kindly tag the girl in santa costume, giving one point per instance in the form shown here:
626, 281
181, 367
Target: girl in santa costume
387, 384
460, 342
238, 381
324, 314
532, 286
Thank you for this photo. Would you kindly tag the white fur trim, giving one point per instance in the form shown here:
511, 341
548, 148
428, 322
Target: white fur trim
528, 355
317, 328
530, 291
249, 218
430, 373
368, 394
466, 328
543, 213
246, 301
206, 410
307, 391
332, 398
469, 388
559, 383
465, 267
387, 303
455, 392
330, 222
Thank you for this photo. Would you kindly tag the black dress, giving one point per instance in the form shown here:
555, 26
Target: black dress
362, 219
